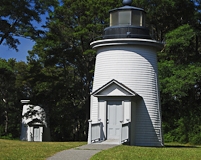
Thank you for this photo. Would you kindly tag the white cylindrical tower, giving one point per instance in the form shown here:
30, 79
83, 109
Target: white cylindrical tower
127, 54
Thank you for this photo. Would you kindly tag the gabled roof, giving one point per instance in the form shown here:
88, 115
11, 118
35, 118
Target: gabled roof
111, 86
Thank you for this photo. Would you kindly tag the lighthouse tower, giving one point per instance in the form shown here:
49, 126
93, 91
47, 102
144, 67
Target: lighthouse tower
125, 101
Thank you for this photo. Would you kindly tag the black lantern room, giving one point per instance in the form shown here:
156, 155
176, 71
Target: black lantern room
127, 22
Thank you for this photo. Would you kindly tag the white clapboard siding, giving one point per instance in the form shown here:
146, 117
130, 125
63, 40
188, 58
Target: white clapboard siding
94, 109
132, 62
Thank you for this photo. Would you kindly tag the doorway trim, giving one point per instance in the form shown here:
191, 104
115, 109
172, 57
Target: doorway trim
112, 91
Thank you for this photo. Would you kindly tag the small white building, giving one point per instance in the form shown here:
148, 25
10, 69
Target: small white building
125, 101
33, 126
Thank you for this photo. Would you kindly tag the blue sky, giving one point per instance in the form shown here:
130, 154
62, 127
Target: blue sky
23, 48
6, 52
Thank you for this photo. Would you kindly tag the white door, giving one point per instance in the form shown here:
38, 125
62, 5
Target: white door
114, 116
36, 135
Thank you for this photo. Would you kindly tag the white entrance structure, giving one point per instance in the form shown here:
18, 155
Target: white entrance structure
125, 101
34, 126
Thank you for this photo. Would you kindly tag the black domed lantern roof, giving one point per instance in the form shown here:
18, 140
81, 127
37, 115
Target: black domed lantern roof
127, 2
127, 22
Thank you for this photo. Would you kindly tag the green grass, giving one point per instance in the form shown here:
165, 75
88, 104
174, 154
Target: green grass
169, 152
20, 150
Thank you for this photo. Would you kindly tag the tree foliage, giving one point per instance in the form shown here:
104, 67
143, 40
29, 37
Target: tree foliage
180, 70
10, 94
65, 64
17, 18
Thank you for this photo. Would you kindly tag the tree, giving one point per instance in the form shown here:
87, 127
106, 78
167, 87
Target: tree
166, 15
10, 96
67, 63
180, 70
17, 18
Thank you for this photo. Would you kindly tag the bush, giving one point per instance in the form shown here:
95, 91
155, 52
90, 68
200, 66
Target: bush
196, 139
8, 136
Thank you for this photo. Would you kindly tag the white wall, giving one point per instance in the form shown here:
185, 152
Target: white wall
102, 117
127, 111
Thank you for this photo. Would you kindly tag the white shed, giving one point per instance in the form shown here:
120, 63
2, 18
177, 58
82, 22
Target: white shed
33, 126
125, 101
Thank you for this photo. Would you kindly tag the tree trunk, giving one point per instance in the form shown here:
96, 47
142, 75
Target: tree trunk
6, 122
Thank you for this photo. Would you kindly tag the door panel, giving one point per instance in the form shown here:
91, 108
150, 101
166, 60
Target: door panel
114, 116
36, 134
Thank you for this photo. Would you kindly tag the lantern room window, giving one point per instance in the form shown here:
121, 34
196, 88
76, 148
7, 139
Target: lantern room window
127, 17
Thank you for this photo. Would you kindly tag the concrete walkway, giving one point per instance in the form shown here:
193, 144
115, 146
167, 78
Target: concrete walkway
81, 153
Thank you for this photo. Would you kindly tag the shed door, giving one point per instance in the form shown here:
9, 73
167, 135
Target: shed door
36, 133
114, 116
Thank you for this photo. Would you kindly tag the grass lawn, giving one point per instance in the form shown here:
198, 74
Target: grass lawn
20, 150
169, 152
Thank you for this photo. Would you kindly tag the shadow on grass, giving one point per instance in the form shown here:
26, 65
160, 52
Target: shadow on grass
179, 146
169, 146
